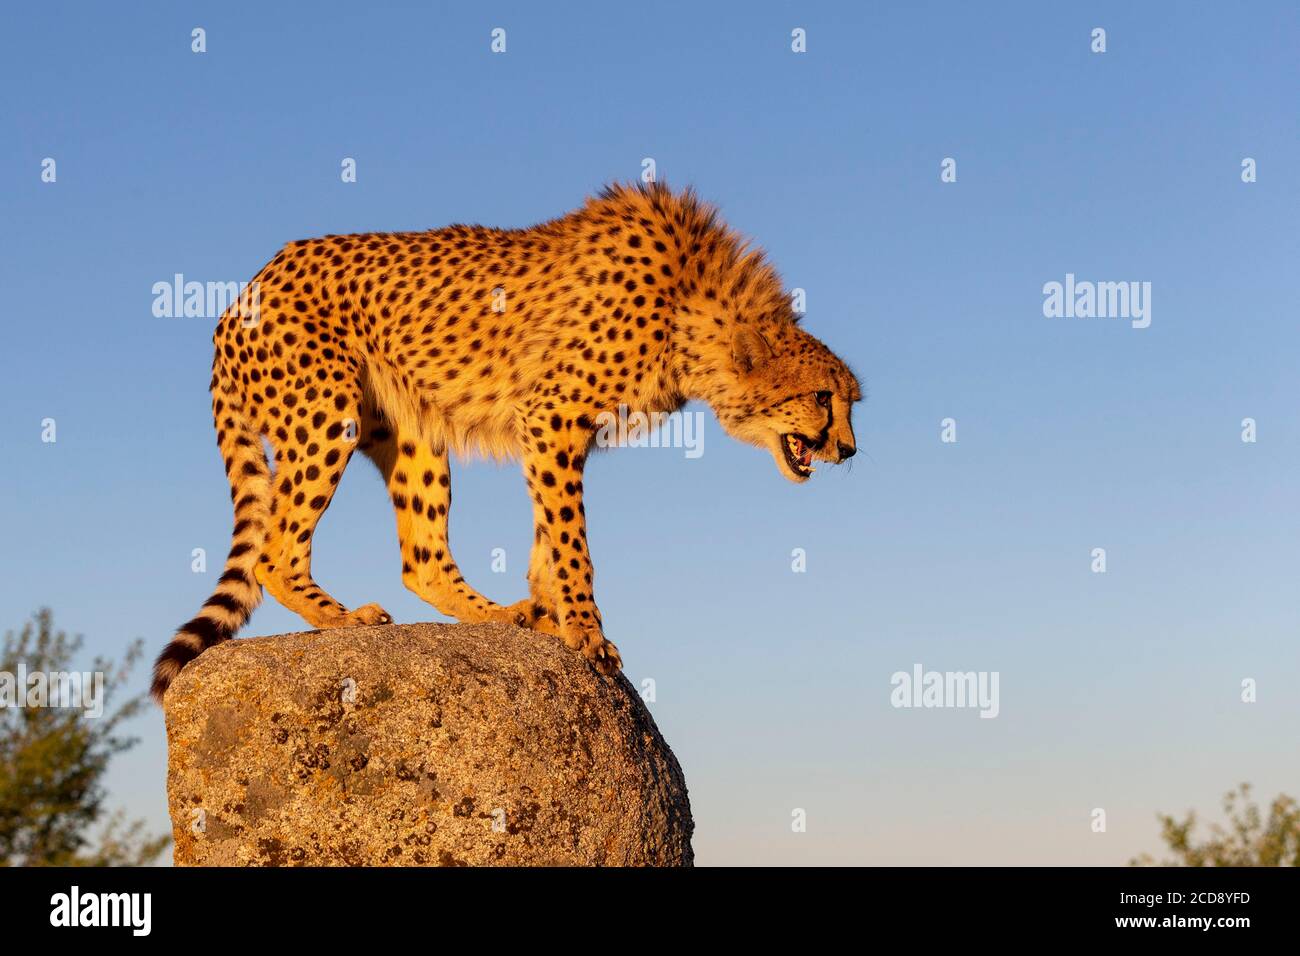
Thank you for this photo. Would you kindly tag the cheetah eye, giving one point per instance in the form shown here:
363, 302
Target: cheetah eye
824, 399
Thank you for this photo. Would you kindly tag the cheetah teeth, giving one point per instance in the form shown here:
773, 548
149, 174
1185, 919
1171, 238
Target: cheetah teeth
799, 455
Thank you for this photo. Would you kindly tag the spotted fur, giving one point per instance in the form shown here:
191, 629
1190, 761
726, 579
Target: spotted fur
503, 342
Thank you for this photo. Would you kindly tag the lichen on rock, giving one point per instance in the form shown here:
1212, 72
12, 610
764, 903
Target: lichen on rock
417, 745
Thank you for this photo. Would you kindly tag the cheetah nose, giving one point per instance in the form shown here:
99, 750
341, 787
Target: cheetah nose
846, 451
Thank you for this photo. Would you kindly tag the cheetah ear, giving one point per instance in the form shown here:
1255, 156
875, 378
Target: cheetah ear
749, 350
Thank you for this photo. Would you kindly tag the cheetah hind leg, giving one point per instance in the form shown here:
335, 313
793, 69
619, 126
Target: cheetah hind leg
418, 477
302, 493
538, 611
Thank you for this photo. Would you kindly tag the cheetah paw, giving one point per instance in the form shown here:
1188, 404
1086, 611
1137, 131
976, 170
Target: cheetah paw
602, 654
533, 615
367, 614
605, 657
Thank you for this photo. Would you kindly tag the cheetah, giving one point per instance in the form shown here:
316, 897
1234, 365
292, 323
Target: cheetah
507, 343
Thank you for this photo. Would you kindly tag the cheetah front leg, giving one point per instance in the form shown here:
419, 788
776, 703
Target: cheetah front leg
553, 470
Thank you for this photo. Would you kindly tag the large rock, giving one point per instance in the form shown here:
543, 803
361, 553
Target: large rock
417, 745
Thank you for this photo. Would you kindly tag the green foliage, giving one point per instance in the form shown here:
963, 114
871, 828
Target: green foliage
53, 760
1250, 839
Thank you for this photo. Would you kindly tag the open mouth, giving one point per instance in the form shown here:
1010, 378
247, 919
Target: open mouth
798, 454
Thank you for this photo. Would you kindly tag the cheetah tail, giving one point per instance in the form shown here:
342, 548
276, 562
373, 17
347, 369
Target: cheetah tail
238, 592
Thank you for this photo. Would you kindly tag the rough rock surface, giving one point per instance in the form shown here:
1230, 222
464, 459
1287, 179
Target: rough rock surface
417, 745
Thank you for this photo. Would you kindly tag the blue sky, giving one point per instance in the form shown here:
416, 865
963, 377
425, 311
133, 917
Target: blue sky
1118, 690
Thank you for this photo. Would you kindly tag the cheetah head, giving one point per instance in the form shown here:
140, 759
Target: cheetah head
790, 394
